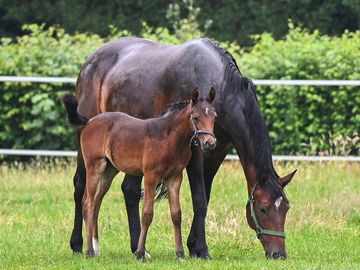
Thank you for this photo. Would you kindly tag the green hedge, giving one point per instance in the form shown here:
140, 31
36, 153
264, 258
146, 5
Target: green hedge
299, 114
32, 117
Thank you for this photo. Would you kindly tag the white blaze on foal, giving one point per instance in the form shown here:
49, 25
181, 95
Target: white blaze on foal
278, 202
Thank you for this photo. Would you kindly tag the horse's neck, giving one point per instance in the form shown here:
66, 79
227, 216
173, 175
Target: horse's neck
249, 135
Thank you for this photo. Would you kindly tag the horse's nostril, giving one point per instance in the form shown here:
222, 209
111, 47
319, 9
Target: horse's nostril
276, 256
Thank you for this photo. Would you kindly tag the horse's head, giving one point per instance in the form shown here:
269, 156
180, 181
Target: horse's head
266, 212
202, 116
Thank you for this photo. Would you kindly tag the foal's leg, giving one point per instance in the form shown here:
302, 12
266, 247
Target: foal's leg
147, 214
173, 188
95, 169
102, 188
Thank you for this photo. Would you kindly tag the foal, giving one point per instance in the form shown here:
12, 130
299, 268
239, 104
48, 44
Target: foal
156, 148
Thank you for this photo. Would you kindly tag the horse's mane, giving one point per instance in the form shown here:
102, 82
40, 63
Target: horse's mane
234, 83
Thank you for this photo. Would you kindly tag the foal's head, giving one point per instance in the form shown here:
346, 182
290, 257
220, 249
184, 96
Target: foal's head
202, 115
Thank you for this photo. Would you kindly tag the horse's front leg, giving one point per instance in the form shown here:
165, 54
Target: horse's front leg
147, 214
131, 188
76, 240
173, 189
197, 239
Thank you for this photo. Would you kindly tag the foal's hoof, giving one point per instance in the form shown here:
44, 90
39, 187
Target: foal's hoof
140, 255
180, 255
90, 253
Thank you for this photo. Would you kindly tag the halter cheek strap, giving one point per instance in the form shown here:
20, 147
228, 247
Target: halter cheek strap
198, 131
260, 230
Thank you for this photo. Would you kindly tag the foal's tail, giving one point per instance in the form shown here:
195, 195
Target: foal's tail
75, 119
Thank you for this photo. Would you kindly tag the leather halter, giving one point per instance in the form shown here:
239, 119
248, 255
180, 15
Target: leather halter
259, 230
197, 130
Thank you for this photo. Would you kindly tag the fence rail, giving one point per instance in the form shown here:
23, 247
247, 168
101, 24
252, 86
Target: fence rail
257, 82
56, 153
228, 157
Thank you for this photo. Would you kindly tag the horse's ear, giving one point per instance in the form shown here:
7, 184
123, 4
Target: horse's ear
286, 179
195, 95
211, 96
263, 178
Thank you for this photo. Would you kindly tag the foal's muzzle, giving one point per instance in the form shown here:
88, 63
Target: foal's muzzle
208, 146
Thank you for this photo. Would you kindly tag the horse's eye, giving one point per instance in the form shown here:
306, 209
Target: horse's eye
262, 210
196, 118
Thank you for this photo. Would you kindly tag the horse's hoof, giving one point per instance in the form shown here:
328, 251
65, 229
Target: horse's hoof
201, 255
76, 252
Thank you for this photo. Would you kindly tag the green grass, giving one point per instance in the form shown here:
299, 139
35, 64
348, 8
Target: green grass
323, 224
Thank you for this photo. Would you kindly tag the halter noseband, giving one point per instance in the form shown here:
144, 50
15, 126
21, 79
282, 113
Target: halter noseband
259, 230
197, 130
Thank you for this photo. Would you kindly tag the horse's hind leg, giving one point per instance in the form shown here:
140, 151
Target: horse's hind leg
76, 241
147, 214
173, 187
131, 188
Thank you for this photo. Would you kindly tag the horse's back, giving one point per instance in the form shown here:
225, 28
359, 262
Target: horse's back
141, 77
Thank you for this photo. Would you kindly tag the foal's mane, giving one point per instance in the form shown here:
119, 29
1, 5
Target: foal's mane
175, 106
236, 85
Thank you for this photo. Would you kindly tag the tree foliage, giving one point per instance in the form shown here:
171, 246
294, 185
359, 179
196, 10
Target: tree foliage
32, 117
233, 20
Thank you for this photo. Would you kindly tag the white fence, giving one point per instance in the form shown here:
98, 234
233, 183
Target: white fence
257, 82
229, 157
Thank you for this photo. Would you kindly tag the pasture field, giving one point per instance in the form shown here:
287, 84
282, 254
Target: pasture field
323, 224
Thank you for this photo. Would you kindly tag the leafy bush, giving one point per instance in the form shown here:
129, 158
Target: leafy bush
30, 114
32, 117
294, 114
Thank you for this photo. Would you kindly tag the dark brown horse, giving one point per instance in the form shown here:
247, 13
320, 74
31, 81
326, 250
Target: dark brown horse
140, 77
156, 148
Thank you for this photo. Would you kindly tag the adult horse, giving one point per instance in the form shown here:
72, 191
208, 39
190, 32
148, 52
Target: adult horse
141, 77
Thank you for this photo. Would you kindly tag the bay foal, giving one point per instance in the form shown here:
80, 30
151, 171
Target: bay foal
156, 148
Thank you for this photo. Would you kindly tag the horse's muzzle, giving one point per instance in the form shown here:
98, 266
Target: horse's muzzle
276, 256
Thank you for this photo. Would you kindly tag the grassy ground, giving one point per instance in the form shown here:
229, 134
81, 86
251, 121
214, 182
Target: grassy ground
323, 224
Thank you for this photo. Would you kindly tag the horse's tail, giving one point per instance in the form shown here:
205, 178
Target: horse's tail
75, 119
160, 193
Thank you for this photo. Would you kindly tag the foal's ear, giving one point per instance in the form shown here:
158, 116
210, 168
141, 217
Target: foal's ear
195, 95
211, 96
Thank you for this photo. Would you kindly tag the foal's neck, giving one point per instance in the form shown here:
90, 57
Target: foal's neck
180, 123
